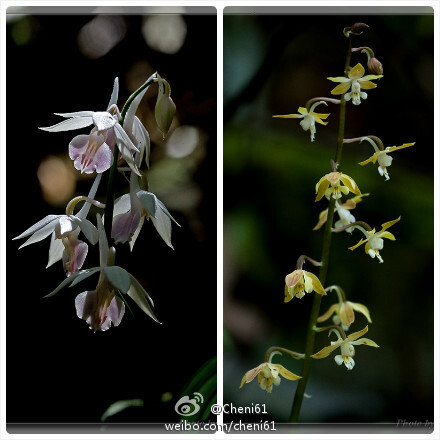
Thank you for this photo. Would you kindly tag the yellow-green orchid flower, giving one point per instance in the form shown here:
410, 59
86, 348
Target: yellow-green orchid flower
357, 81
309, 117
382, 157
300, 281
345, 217
268, 375
347, 349
374, 240
343, 310
330, 185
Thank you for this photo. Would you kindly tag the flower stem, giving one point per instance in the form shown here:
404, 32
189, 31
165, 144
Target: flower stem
325, 256
110, 184
271, 351
366, 226
302, 258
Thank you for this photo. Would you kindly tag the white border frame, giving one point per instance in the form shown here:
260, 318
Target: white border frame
220, 5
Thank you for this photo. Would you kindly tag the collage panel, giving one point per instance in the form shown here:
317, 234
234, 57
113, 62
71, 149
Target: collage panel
328, 218
112, 114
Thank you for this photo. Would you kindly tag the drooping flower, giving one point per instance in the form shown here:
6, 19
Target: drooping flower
343, 210
357, 81
268, 375
94, 152
299, 282
347, 349
330, 185
382, 157
309, 117
374, 240
101, 307
132, 209
65, 229
344, 313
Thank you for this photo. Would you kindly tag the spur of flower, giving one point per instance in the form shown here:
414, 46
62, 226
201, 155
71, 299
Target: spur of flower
343, 210
356, 81
330, 186
101, 307
347, 348
344, 313
382, 158
374, 240
268, 375
300, 282
309, 118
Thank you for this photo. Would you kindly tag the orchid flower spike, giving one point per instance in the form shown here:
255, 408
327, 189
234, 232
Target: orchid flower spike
382, 157
347, 349
357, 81
309, 117
268, 375
100, 307
330, 185
374, 240
300, 282
94, 152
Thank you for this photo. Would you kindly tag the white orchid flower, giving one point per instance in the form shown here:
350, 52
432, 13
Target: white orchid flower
65, 229
346, 346
131, 209
94, 152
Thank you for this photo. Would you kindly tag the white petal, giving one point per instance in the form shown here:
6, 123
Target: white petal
37, 226
338, 359
371, 253
41, 234
129, 116
122, 205
70, 124
83, 114
55, 251
103, 243
123, 138
137, 293
65, 226
136, 233
87, 228
114, 97
103, 120
162, 223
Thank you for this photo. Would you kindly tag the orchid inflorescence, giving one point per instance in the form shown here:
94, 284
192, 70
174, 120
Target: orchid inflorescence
116, 138
332, 187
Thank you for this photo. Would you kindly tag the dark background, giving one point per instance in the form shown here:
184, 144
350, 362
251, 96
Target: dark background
58, 370
272, 65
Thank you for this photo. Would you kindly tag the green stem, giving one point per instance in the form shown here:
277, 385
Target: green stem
325, 256
109, 208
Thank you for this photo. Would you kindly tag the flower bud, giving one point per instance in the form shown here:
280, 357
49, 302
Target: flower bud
375, 66
355, 29
165, 107
358, 28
